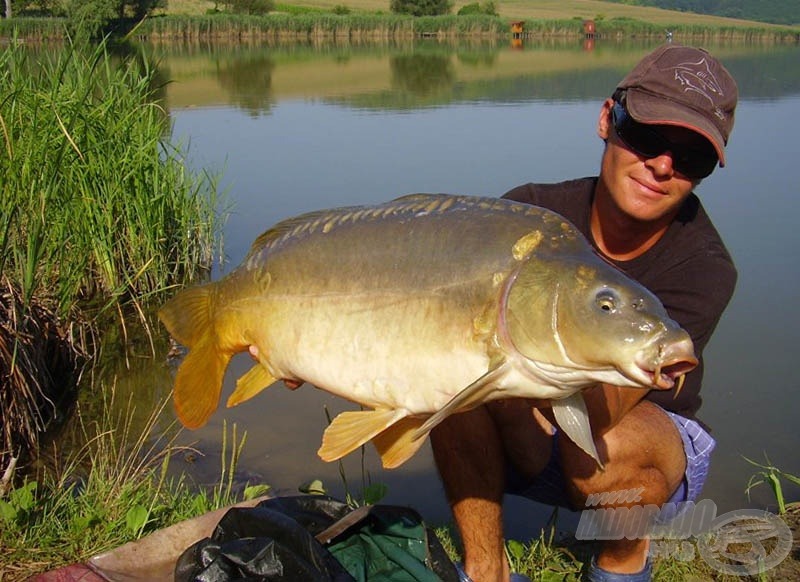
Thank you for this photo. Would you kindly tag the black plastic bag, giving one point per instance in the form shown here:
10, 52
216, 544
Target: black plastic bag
316, 538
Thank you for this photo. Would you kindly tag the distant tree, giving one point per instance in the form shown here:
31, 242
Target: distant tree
250, 6
421, 7
489, 8
93, 17
89, 18
775, 11
33, 8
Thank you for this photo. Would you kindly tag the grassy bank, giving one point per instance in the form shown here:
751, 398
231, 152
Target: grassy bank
313, 25
544, 18
97, 214
370, 21
114, 489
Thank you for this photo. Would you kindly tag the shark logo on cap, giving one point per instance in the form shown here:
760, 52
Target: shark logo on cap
699, 78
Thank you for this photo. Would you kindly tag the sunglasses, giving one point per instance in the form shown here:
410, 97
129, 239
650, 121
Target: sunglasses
694, 162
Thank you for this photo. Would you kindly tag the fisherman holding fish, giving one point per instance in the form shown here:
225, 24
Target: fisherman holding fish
665, 129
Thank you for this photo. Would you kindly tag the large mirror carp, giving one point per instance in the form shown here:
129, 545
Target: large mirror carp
420, 308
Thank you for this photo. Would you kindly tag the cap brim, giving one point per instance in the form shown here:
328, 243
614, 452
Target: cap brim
646, 108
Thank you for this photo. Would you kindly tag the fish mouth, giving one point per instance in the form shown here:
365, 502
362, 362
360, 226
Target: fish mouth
666, 375
670, 366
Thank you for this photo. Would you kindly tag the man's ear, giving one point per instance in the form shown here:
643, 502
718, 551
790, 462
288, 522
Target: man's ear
604, 121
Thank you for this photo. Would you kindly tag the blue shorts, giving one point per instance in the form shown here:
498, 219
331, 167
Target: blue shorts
550, 487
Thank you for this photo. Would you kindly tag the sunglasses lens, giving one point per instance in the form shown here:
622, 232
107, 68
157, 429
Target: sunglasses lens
692, 162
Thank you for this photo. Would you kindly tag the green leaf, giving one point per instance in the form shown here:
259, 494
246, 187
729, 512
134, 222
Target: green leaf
7, 511
374, 493
314, 487
200, 504
136, 518
23, 498
793, 478
253, 491
516, 549
777, 490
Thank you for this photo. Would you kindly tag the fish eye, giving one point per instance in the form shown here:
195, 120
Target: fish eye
606, 301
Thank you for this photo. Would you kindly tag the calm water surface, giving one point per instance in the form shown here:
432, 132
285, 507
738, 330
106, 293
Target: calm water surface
300, 128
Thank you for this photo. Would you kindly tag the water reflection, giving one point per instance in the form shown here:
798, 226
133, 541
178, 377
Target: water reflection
249, 82
399, 76
422, 74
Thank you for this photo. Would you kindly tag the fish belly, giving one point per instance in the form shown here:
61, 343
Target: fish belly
382, 352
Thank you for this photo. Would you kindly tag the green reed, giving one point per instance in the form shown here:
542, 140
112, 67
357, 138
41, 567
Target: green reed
316, 23
96, 204
98, 213
32, 28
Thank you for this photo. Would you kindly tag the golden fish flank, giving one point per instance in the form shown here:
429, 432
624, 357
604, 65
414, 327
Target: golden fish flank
420, 308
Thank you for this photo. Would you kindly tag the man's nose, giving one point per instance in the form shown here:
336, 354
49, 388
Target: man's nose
661, 165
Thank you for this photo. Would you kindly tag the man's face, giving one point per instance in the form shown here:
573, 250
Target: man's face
645, 189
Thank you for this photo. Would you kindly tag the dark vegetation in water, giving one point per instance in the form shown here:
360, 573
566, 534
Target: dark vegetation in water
98, 214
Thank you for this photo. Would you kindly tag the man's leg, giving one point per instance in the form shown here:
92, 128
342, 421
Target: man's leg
644, 452
469, 453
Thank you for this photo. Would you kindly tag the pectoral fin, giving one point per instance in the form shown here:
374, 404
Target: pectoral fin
351, 429
573, 418
396, 444
473, 395
250, 384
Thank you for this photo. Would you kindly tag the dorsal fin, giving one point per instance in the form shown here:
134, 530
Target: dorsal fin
325, 220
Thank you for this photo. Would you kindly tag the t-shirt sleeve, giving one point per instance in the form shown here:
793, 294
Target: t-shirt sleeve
524, 193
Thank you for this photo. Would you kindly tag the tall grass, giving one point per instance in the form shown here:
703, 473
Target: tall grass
315, 23
97, 212
117, 487
301, 22
95, 201
30, 28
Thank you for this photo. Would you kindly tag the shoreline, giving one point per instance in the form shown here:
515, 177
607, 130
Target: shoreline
390, 27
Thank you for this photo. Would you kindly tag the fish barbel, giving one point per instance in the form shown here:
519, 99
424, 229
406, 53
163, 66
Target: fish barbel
419, 308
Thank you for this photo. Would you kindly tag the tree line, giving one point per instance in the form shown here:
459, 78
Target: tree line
98, 11
772, 11
94, 18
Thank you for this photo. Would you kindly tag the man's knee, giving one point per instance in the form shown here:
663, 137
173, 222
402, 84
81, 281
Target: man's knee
644, 454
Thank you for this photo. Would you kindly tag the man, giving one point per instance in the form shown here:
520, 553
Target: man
665, 129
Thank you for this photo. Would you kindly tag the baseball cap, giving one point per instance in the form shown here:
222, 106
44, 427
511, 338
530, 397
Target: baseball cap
683, 86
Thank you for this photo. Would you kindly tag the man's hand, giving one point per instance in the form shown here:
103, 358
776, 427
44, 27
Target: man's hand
606, 404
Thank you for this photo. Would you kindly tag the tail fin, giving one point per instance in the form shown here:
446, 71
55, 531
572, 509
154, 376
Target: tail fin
198, 383
187, 316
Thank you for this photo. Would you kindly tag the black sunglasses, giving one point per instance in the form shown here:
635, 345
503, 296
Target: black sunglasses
693, 162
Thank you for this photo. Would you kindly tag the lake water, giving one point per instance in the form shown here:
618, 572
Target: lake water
297, 128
